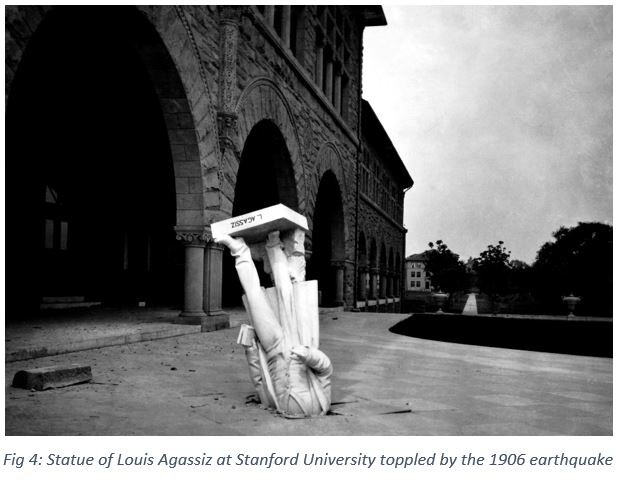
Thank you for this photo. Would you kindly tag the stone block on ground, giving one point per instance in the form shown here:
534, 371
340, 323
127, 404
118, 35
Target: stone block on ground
52, 377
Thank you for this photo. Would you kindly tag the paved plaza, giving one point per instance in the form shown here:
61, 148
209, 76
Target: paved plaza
384, 384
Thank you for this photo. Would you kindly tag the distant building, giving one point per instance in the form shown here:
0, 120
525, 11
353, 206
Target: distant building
416, 276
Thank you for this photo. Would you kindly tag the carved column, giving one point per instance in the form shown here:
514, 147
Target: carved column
338, 266
286, 25
212, 295
193, 276
226, 116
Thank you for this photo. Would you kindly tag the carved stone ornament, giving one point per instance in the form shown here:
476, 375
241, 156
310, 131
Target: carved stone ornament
192, 236
227, 130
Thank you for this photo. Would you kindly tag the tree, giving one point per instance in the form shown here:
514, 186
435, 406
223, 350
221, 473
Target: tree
520, 280
447, 270
493, 270
578, 261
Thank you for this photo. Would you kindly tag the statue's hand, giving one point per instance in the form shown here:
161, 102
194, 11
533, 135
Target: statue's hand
273, 239
232, 243
300, 352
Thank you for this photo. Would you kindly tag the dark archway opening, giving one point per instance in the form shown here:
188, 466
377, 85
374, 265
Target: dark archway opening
90, 183
382, 272
265, 177
373, 275
328, 241
362, 270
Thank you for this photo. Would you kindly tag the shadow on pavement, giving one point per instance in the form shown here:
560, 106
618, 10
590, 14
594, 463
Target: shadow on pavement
575, 336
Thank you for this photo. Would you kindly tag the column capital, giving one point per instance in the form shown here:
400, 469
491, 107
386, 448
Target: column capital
339, 264
191, 236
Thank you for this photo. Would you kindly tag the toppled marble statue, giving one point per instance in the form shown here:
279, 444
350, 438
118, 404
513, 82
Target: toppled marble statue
287, 369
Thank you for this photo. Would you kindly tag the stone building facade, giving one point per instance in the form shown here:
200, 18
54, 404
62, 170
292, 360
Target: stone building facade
383, 181
417, 279
131, 129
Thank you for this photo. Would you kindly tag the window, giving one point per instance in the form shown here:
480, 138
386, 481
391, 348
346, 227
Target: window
286, 21
333, 54
297, 31
418, 284
418, 274
412, 285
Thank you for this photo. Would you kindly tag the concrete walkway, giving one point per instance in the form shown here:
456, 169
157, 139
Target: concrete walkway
384, 384
60, 332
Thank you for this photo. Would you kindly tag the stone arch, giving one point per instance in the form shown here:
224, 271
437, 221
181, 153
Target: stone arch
264, 100
362, 268
382, 271
390, 270
373, 269
163, 42
179, 80
399, 274
327, 263
265, 176
362, 251
383, 257
191, 118
372, 253
328, 159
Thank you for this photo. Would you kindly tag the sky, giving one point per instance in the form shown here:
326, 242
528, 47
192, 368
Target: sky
503, 117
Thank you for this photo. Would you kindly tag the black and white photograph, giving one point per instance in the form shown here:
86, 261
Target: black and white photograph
308, 220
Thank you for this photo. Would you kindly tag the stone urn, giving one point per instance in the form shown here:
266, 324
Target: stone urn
440, 300
571, 302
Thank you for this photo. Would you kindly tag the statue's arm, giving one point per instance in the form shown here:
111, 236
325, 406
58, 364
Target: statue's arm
264, 321
314, 359
278, 262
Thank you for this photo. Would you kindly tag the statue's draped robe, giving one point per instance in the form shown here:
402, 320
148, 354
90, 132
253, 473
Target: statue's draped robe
284, 316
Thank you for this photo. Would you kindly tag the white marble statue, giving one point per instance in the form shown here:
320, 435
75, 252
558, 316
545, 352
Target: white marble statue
289, 372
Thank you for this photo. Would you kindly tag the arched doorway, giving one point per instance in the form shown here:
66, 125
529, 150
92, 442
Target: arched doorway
362, 269
90, 180
265, 177
374, 271
399, 273
390, 278
327, 261
382, 272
